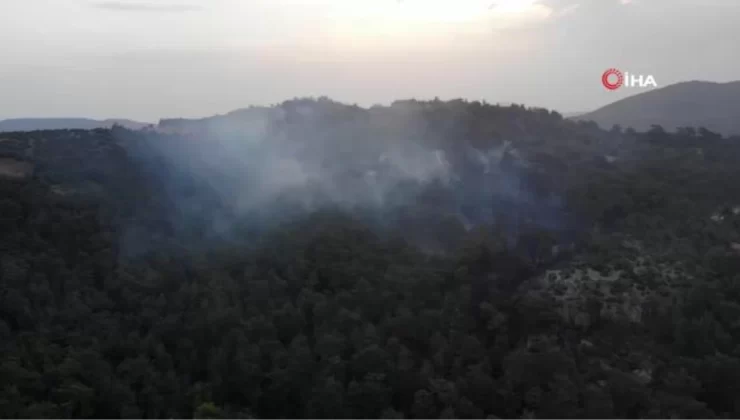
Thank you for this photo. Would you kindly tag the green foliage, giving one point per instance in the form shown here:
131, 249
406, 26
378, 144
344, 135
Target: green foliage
327, 318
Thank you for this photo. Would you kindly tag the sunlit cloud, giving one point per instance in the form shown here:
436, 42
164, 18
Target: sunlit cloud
433, 11
140, 6
568, 10
381, 22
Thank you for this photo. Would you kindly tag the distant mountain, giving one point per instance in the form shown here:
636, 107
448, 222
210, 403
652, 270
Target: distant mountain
572, 114
32, 124
237, 121
715, 106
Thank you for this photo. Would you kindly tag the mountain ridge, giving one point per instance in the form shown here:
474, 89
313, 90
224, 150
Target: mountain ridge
72, 123
694, 103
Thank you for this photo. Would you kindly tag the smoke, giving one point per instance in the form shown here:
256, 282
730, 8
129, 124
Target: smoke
405, 167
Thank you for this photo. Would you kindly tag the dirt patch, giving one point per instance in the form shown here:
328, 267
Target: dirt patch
15, 168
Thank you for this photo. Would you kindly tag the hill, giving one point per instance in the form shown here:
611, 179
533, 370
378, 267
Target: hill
572, 115
33, 124
426, 259
715, 106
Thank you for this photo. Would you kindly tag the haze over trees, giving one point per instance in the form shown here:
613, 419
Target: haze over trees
423, 260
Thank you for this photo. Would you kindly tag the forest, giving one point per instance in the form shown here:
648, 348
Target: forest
427, 259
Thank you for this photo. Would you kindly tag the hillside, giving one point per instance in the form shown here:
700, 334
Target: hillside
426, 259
572, 115
32, 124
715, 106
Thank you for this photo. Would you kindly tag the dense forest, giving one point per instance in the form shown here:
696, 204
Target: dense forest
420, 260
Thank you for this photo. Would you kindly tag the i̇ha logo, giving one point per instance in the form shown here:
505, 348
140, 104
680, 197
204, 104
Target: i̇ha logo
613, 79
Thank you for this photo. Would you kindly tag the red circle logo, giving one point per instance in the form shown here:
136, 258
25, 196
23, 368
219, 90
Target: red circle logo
610, 74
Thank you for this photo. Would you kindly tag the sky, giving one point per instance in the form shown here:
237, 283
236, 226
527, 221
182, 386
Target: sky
152, 59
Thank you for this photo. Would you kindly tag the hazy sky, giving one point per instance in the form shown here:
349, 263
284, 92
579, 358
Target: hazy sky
146, 59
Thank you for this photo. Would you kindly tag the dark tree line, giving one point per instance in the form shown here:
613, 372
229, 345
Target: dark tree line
326, 316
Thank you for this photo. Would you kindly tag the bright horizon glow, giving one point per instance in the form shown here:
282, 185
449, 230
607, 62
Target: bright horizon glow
387, 23
148, 59
428, 11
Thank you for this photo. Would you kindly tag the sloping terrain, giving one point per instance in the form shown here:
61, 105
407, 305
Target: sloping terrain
715, 106
423, 260
33, 124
